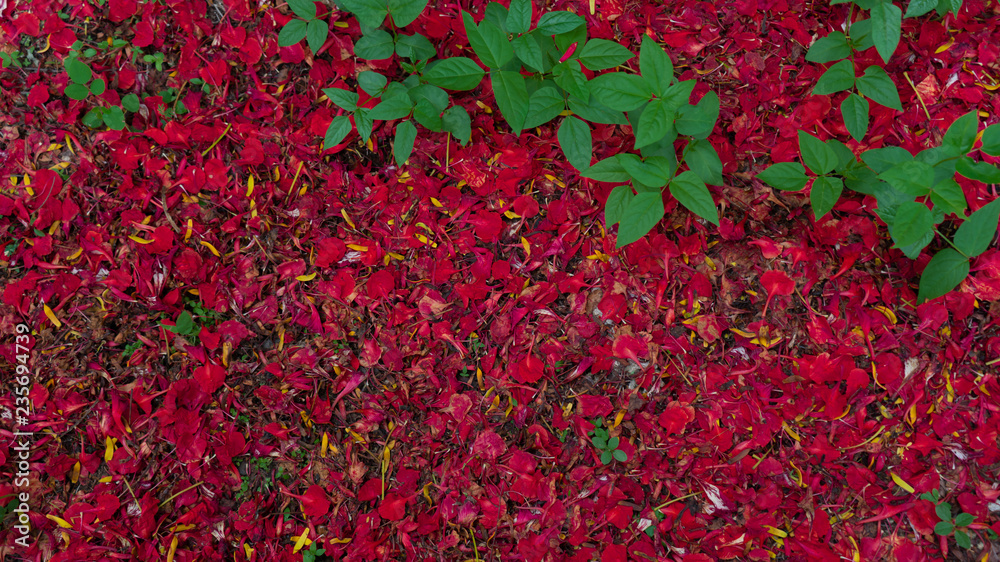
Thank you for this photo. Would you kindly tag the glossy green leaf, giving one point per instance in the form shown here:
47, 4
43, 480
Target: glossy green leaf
402, 145
962, 133
691, 192
364, 123
912, 178
478, 42
943, 273
305, 9
392, 108
77, 92
369, 12
964, 519
93, 118
819, 157
943, 511
703, 160
654, 123
428, 115
415, 47
948, 196
917, 8
979, 171
554, 23
342, 98
837, 78
456, 121
496, 14
878, 87
824, 195
511, 95
912, 222
607, 456
620, 91
519, 16
98, 86
830, 48
570, 77
962, 539
371, 82
887, 21
601, 54
79, 72
404, 12
596, 112
337, 131
130, 102
618, 202
608, 170
528, 51
377, 45
861, 35
698, 120
545, 105
576, 142
455, 73
655, 66
645, 172
943, 528
434, 96
316, 32
845, 158
786, 176
496, 43
978, 231
881, 159
991, 140
862, 180
619, 455
644, 211
293, 32
114, 118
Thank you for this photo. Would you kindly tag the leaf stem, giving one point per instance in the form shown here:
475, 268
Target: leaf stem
919, 98
206, 151
950, 243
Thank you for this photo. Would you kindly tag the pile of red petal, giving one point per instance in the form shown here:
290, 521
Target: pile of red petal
405, 363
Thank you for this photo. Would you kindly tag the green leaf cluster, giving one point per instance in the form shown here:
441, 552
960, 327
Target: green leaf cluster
184, 325
607, 445
914, 194
957, 525
306, 26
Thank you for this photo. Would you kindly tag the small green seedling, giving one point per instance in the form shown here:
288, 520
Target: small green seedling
957, 525
314, 551
184, 325
311, 28
606, 444
11, 59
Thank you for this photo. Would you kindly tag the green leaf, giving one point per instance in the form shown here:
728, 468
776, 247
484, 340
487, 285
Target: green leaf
130, 102
945, 6
371, 82
342, 98
613, 443
402, 145
563, 41
404, 12
293, 32
456, 121
600, 441
977, 232
98, 86
654, 123
316, 32
527, 50
545, 105
337, 131
979, 171
568, 76
114, 118
830, 48
943, 511
184, 324
606, 457
912, 222
703, 160
576, 142
691, 192
455, 73
596, 112
962, 539
887, 21
428, 115
369, 12
877, 86
434, 96
364, 123
854, 108
881, 159
948, 196
962, 133
620, 91
862, 180
845, 158
819, 157
519, 16
943, 528
77, 92
618, 202
837, 78
608, 170
497, 15
496, 43
392, 108
698, 120
477, 42
991, 140
377, 45
620, 455
645, 172
655, 66
79, 72
511, 95
554, 23
93, 118
601, 54
861, 35
305, 9
824, 195
643, 213
415, 47
917, 8
964, 519
912, 178
786, 176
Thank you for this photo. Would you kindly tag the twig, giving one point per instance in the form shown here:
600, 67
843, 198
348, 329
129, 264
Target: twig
166, 211
920, 99
228, 126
